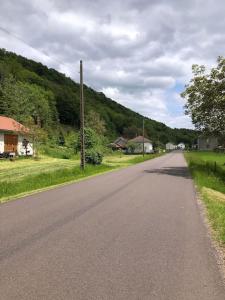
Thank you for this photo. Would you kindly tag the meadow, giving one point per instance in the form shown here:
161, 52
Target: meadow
26, 175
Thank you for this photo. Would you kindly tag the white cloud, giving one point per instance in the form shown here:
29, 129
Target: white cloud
137, 52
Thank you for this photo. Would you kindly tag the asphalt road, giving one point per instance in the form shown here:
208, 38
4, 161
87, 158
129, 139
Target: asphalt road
135, 233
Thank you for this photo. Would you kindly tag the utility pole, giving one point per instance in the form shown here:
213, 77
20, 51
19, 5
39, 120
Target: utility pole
82, 145
143, 134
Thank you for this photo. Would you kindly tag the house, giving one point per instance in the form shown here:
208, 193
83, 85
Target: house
207, 142
119, 144
170, 146
138, 142
14, 138
181, 146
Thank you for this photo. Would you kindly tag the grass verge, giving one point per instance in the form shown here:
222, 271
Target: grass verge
208, 172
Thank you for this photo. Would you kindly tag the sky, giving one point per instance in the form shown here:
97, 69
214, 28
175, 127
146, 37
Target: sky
137, 52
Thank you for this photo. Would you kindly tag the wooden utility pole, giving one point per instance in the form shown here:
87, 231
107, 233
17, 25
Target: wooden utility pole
82, 145
143, 134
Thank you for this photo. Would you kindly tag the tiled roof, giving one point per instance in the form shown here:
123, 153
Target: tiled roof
139, 139
8, 124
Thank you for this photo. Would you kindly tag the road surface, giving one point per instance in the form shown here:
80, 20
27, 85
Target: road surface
130, 234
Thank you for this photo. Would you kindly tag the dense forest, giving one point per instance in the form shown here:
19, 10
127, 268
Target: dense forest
30, 89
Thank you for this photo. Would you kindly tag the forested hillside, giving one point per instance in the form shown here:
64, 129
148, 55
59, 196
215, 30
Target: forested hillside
28, 88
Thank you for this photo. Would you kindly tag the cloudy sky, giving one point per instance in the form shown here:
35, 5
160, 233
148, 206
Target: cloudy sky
138, 52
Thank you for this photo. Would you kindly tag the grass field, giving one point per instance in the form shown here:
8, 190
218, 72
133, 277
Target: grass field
208, 171
26, 175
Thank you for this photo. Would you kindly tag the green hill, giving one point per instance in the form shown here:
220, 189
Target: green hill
30, 88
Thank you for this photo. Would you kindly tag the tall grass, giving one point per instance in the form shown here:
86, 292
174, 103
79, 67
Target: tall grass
14, 179
43, 180
207, 170
58, 152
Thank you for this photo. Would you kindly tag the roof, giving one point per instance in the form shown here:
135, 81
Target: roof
139, 139
120, 141
9, 124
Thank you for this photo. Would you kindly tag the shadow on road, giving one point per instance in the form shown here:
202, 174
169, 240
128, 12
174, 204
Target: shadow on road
172, 171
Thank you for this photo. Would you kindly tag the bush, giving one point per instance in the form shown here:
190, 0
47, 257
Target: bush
93, 157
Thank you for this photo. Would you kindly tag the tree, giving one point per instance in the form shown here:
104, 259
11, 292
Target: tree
37, 134
131, 132
94, 121
131, 147
205, 96
21, 100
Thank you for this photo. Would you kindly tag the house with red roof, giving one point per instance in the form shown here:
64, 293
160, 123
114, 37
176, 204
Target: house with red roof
14, 138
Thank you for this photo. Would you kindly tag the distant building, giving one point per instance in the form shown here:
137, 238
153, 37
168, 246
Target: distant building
181, 146
170, 146
13, 138
138, 145
207, 143
119, 144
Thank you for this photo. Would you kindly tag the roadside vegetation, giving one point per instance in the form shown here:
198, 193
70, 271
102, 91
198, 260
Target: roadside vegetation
24, 176
208, 171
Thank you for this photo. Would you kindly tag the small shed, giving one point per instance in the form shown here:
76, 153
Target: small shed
14, 137
119, 144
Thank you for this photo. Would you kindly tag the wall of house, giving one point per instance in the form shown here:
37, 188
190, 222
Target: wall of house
148, 148
170, 146
209, 143
181, 146
1, 142
20, 148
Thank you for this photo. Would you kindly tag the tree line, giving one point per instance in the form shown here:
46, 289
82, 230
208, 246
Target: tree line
31, 91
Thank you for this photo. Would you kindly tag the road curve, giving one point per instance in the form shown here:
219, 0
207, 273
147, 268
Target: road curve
135, 233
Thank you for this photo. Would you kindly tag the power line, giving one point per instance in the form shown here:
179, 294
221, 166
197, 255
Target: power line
15, 36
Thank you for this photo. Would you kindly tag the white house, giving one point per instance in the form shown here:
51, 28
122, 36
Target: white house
138, 142
14, 137
181, 146
170, 146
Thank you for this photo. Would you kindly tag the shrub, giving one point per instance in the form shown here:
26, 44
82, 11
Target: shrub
93, 156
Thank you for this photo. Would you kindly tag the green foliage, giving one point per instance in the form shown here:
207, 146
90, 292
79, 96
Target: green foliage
90, 137
21, 100
132, 131
205, 95
210, 178
93, 156
94, 121
208, 169
72, 141
56, 100
57, 152
131, 146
